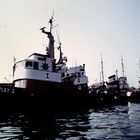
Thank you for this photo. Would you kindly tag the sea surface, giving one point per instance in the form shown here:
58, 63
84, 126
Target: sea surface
117, 122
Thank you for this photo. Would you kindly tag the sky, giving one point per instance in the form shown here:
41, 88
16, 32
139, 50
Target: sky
86, 28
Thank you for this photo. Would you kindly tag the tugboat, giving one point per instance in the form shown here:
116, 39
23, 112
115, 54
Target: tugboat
99, 87
118, 87
41, 72
40, 75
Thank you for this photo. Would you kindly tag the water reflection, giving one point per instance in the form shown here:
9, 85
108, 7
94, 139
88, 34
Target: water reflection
134, 120
43, 125
116, 122
106, 124
73, 125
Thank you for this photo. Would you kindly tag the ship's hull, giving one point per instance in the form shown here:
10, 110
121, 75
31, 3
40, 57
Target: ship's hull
134, 96
38, 87
47, 95
27, 99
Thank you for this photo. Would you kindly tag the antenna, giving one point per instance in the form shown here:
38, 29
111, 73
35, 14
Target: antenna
6, 79
14, 60
139, 64
52, 14
51, 21
139, 69
122, 66
62, 60
75, 63
58, 39
116, 74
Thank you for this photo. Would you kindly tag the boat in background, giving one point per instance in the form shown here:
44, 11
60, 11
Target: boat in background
118, 87
114, 90
99, 87
134, 93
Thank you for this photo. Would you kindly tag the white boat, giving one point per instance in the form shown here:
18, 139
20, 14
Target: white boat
41, 73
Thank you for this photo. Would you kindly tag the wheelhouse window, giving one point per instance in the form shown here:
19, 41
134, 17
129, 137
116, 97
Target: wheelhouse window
78, 74
29, 64
32, 65
35, 66
83, 73
42, 58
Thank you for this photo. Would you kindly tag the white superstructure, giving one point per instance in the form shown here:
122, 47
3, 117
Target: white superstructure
42, 72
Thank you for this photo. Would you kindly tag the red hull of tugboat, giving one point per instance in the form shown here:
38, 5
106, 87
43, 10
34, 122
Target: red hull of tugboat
39, 87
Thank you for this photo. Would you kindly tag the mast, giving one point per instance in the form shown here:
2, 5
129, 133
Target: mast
139, 70
117, 74
60, 61
102, 70
122, 66
50, 49
14, 60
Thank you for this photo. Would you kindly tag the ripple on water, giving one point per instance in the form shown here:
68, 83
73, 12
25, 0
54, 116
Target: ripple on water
116, 122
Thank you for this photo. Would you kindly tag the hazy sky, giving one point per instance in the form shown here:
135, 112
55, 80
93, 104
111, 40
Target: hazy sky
86, 29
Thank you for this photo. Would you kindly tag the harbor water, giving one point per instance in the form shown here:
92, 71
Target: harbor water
119, 122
